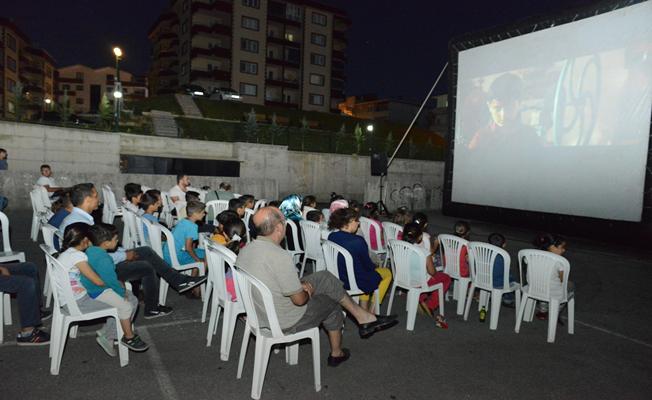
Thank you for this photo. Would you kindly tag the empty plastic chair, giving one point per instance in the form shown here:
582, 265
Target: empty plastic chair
215, 207
7, 254
111, 209
311, 232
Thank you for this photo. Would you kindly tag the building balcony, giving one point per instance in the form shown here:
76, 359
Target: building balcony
283, 41
282, 83
283, 19
339, 35
167, 35
337, 94
283, 63
338, 74
214, 75
31, 69
211, 30
214, 52
167, 53
63, 79
32, 88
217, 5
281, 104
340, 55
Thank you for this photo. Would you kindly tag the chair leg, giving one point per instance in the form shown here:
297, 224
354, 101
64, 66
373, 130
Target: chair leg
529, 310
2, 313
553, 314
243, 350
391, 298
35, 226
463, 288
54, 329
7, 309
47, 289
123, 351
571, 316
207, 298
260, 366
55, 362
316, 361
469, 299
212, 322
228, 327
413, 303
496, 302
303, 266
292, 354
162, 292
73, 331
520, 312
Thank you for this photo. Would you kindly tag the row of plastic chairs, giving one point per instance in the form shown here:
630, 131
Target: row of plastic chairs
41, 212
6, 255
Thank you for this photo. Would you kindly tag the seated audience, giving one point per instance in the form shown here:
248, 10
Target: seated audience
237, 205
222, 219
133, 193
315, 216
499, 240
291, 208
422, 220
149, 204
428, 302
178, 192
300, 305
463, 230
232, 236
249, 201
309, 204
47, 181
556, 245
401, 217
185, 233
370, 211
3, 160
61, 208
368, 277
338, 204
223, 192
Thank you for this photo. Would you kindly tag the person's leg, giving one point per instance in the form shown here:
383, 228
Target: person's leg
108, 331
325, 283
124, 307
433, 298
142, 270
27, 296
323, 310
166, 272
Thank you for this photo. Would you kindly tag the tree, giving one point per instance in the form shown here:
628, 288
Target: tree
359, 138
274, 130
106, 112
251, 127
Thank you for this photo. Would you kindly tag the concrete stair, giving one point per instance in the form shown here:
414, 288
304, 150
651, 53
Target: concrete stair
164, 123
188, 105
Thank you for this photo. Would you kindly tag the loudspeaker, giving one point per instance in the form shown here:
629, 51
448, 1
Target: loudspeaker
378, 164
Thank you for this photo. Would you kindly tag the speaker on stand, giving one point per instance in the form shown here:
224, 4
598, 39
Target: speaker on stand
379, 168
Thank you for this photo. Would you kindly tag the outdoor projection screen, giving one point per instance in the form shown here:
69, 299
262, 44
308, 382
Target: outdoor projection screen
558, 120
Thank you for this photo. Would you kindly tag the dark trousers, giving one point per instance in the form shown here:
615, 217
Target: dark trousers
23, 282
146, 268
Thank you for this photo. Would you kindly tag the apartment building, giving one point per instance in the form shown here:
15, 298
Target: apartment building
26, 66
85, 86
284, 53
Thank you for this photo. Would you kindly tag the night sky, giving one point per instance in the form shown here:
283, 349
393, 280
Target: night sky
396, 48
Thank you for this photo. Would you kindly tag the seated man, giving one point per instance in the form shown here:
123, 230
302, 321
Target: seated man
138, 264
21, 279
47, 181
302, 305
178, 192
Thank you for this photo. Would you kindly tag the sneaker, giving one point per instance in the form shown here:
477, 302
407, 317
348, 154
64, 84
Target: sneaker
36, 338
191, 283
106, 345
160, 311
335, 361
135, 344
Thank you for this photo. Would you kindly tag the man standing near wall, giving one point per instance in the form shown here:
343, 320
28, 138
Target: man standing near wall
47, 181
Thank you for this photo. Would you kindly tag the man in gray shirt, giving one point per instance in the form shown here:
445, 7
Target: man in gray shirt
317, 300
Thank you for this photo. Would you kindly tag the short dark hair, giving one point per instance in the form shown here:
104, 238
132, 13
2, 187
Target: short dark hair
266, 226
226, 216
411, 232
462, 228
247, 198
100, 233
75, 234
314, 215
496, 239
236, 203
420, 218
274, 203
132, 190
79, 192
235, 227
62, 202
370, 210
147, 199
180, 177
2, 150
45, 166
191, 195
308, 200
543, 241
225, 186
341, 217
194, 207
154, 192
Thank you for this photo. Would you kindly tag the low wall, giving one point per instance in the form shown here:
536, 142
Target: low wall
266, 171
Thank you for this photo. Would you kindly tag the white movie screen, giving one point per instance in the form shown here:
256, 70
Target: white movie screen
558, 120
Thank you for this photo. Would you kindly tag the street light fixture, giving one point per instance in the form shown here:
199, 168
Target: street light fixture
117, 93
370, 128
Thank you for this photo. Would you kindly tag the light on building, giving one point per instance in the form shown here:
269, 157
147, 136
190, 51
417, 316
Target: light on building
198, 93
117, 51
370, 128
117, 94
48, 101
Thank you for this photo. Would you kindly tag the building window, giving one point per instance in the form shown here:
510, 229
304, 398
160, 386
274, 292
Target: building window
292, 55
319, 19
11, 64
317, 79
293, 12
289, 36
319, 40
79, 100
249, 67
11, 42
248, 89
251, 3
11, 84
249, 45
48, 72
250, 23
317, 59
110, 77
80, 76
316, 99
79, 87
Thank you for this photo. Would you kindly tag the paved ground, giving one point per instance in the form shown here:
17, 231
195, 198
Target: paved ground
610, 355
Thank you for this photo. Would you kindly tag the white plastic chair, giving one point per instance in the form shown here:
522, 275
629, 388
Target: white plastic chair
269, 333
248, 214
215, 207
48, 238
140, 229
365, 228
332, 251
542, 266
311, 232
130, 238
66, 312
40, 213
404, 253
260, 203
294, 236
154, 231
166, 209
5, 313
327, 213
110, 209
482, 257
451, 248
7, 254
218, 258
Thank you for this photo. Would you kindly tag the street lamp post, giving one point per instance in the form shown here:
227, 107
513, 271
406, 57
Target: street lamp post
117, 88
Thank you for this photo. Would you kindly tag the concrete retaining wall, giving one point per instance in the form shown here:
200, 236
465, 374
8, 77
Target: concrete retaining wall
267, 171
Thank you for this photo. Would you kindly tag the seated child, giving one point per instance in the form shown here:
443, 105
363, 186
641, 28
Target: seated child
463, 230
556, 245
421, 219
499, 240
103, 285
237, 205
222, 219
233, 237
401, 217
315, 216
308, 204
249, 201
149, 204
133, 192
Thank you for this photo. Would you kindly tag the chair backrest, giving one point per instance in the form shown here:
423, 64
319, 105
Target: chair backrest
327, 214
404, 254
294, 235
131, 238
247, 217
214, 207
48, 234
172, 248
260, 203
140, 229
154, 233
60, 281
311, 232
44, 197
392, 230
332, 252
37, 201
109, 199
166, 208
365, 228
541, 266
451, 249
482, 257
4, 225
252, 291
218, 257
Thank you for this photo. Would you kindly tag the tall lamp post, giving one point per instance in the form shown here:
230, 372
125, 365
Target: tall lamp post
117, 88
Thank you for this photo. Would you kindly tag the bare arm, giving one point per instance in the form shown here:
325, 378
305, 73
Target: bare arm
191, 250
302, 297
52, 189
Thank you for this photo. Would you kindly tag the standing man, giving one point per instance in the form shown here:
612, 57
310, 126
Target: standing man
178, 192
47, 181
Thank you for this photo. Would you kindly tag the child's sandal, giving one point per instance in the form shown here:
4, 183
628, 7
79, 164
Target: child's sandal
440, 322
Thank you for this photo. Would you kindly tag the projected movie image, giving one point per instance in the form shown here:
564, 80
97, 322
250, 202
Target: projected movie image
558, 120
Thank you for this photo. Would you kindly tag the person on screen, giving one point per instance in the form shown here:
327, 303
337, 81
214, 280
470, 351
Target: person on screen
505, 129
